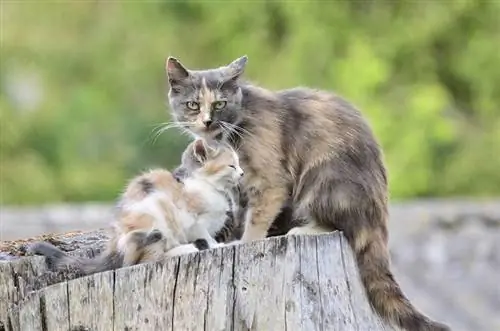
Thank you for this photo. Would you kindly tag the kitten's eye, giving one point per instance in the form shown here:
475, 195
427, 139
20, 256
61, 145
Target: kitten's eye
193, 105
218, 105
232, 166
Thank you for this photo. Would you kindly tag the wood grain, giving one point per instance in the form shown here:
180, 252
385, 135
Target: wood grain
282, 283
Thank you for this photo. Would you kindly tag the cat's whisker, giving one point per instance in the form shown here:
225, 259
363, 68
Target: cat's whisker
160, 130
238, 131
238, 128
227, 130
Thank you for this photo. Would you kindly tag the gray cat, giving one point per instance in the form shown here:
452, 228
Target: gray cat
309, 147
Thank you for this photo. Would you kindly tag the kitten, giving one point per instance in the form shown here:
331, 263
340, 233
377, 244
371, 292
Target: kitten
159, 216
234, 226
308, 146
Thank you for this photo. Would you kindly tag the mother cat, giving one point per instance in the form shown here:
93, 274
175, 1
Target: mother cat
309, 143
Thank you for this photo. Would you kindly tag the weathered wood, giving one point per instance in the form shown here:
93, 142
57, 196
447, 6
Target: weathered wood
282, 283
21, 275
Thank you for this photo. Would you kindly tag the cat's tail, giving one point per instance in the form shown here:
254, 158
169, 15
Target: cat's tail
59, 260
384, 293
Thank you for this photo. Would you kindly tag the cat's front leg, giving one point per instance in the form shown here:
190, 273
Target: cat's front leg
263, 207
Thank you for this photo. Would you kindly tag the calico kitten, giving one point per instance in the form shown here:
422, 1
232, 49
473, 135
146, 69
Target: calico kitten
159, 216
234, 226
309, 146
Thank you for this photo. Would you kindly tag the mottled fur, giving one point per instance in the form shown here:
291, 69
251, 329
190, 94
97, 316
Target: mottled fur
159, 216
234, 226
310, 148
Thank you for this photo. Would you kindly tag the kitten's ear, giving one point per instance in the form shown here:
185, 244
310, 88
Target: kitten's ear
175, 71
200, 150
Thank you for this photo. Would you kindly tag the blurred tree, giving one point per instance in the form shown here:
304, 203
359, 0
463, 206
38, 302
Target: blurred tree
83, 87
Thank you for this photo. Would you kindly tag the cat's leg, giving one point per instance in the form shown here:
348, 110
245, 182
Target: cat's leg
264, 207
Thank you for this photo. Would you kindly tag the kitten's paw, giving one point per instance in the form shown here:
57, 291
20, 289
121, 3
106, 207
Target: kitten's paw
153, 237
201, 244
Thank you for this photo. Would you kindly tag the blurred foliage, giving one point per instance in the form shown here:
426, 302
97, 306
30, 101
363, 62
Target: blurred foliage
83, 85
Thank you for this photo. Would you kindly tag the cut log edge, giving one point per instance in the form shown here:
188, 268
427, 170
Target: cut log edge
312, 279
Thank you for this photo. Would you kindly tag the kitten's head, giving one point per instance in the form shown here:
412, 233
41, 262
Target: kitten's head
216, 163
205, 102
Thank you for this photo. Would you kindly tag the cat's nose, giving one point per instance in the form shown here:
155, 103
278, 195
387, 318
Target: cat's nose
241, 173
207, 123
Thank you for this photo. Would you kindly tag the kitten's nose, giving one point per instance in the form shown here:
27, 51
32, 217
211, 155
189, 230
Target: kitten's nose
241, 173
207, 123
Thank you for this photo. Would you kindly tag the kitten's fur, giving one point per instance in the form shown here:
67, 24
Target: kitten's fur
313, 144
234, 226
136, 251
179, 215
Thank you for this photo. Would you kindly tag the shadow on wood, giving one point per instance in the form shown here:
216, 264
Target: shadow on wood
282, 283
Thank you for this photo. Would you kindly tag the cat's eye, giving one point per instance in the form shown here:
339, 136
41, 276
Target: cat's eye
232, 166
218, 105
193, 105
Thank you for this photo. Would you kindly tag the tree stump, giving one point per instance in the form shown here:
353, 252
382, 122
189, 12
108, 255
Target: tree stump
281, 283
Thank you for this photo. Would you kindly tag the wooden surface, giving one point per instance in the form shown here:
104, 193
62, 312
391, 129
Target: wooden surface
283, 283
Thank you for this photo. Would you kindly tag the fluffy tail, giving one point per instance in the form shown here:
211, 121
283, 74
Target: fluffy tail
384, 294
58, 260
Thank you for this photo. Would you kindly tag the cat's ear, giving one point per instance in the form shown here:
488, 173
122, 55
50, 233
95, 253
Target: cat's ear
234, 70
176, 72
237, 67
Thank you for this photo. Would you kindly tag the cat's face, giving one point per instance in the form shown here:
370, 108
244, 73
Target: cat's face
205, 102
217, 163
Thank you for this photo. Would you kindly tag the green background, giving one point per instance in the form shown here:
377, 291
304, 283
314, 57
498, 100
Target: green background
83, 85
